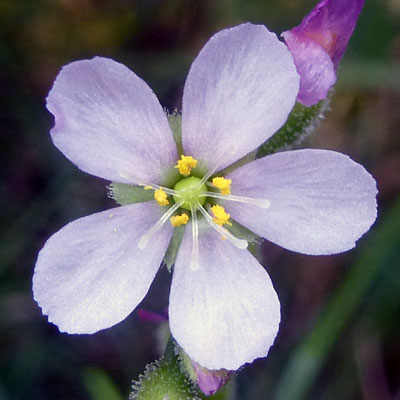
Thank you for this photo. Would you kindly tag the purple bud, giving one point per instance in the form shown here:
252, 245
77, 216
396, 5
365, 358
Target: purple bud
151, 316
210, 381
318, 44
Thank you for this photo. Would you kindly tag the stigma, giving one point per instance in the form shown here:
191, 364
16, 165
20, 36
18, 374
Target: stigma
185, 165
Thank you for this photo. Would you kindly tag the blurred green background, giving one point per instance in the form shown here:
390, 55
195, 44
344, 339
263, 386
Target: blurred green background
339, 337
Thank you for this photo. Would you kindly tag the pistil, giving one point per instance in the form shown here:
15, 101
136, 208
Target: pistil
189, 191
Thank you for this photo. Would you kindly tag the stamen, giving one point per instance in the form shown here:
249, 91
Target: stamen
144, 240
223, 184
153, 186
178, 220
221, 217
185, 165
241, 244
161, 197
263, 203
194, 260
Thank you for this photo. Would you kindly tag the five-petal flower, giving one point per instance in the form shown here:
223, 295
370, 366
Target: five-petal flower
223, 308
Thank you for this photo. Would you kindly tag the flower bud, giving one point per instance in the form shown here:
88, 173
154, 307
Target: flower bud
210, 381
318, 44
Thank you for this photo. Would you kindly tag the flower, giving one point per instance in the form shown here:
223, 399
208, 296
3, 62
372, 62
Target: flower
318, 45
223, 308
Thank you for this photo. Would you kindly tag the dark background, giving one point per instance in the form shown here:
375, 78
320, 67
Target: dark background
339, 335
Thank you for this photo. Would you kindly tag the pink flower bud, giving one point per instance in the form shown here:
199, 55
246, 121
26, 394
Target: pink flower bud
318, 44
210, 381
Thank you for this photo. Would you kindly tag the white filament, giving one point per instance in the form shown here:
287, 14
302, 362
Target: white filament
204, 179
144, 240
239, 243
263, 203
194, 261
158, 187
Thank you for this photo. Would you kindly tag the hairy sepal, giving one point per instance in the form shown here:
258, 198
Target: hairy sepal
300, 124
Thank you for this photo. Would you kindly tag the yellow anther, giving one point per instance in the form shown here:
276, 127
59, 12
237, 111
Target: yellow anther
178, 220
221, 217
223, 184
147, 188
161, 197
185, 165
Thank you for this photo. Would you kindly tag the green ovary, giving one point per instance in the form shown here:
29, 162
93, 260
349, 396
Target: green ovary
189, 191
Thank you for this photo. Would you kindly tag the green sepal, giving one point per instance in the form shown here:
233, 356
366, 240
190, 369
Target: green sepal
173, 247
301, 123
252, 238
185, 363
226, 392
164, 380
125, 194
240, 232
175, 123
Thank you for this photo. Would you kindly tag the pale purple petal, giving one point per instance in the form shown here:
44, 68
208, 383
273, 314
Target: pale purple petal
326, 29
314, 66
239, 91
91, 274
321, 201
227, 312
110, 123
